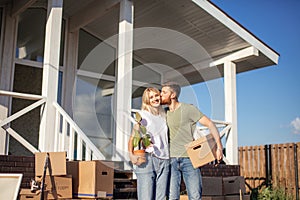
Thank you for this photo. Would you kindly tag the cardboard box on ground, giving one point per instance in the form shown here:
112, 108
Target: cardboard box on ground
91, 179
58, 187
72, 179
202, 150
57, 183
26, 194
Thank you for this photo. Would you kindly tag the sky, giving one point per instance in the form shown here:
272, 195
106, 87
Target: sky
268, 99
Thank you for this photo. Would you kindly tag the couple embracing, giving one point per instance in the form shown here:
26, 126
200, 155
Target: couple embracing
160, 176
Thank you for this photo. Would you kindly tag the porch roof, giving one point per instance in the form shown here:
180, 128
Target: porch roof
219, 34
204, 22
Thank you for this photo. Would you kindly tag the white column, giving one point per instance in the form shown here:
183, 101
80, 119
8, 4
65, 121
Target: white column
6, 74
231, 111
124, 79
50, 74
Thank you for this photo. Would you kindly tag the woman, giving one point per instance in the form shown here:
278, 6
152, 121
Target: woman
152, 175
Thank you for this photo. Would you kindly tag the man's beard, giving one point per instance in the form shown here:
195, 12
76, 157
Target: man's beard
165, 102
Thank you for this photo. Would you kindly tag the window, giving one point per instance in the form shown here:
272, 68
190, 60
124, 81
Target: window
93, 105
31, 35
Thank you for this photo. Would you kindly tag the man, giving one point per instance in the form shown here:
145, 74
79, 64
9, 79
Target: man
181, 120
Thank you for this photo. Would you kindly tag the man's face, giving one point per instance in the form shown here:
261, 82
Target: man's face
165, 95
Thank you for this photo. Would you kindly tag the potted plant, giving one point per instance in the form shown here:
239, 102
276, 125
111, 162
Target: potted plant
141, 139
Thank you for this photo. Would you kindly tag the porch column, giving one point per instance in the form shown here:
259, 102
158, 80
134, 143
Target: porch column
124, 79
6, 73
50, 74
231, 111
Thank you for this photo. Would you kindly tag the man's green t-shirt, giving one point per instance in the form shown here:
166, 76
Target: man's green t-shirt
182, 123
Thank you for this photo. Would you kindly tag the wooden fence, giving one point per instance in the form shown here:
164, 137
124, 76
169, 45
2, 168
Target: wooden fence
276, 165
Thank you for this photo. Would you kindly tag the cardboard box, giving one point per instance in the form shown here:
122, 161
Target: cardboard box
91, 179
56, 164
212, 186
26, 194
59, 187
234, 185
184, 197
202, 150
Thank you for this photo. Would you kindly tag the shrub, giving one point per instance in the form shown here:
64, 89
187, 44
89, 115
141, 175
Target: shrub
274, 193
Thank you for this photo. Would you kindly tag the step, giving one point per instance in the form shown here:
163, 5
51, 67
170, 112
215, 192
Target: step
123, 180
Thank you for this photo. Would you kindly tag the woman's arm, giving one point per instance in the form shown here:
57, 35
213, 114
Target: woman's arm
134, 159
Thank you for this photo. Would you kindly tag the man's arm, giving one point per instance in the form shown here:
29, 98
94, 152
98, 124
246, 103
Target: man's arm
205, 121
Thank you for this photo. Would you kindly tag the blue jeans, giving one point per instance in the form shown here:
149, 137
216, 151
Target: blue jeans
191, 177
152, 178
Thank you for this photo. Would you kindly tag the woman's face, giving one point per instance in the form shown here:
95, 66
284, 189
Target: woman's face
154, 98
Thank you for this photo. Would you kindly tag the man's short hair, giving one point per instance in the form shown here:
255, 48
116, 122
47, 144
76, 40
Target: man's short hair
175, 87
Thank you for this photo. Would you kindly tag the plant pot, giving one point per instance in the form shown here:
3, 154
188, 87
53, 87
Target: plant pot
142, 155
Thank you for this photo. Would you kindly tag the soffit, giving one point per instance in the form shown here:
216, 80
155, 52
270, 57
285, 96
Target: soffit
183, 16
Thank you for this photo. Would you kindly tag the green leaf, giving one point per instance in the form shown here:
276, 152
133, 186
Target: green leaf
138, 117
136, 138
146, 141
143, 129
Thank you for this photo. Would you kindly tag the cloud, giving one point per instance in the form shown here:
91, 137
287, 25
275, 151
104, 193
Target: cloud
296, 125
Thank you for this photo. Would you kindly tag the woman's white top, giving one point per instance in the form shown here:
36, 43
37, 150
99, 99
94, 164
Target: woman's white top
157, 128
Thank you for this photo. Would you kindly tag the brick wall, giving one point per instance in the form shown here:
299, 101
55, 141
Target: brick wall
220, 170
19, 165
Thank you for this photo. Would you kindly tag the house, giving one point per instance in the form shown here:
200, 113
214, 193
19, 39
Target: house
73, 70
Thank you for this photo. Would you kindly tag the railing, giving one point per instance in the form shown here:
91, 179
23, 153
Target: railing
4, 123
222, 126
69, 137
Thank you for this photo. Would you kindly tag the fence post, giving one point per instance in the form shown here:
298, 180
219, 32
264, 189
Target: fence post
268, 165
296, 171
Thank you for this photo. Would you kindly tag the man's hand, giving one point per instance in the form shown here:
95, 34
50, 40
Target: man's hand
219, 154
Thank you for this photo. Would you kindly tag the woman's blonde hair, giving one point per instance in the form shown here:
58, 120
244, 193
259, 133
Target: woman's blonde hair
146, 102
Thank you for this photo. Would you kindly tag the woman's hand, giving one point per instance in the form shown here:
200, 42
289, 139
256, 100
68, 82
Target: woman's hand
136, 160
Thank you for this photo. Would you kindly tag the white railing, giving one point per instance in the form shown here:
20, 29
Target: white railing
223, 127
69, 137
4, 123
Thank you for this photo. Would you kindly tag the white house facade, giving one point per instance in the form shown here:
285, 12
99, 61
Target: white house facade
71, 71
